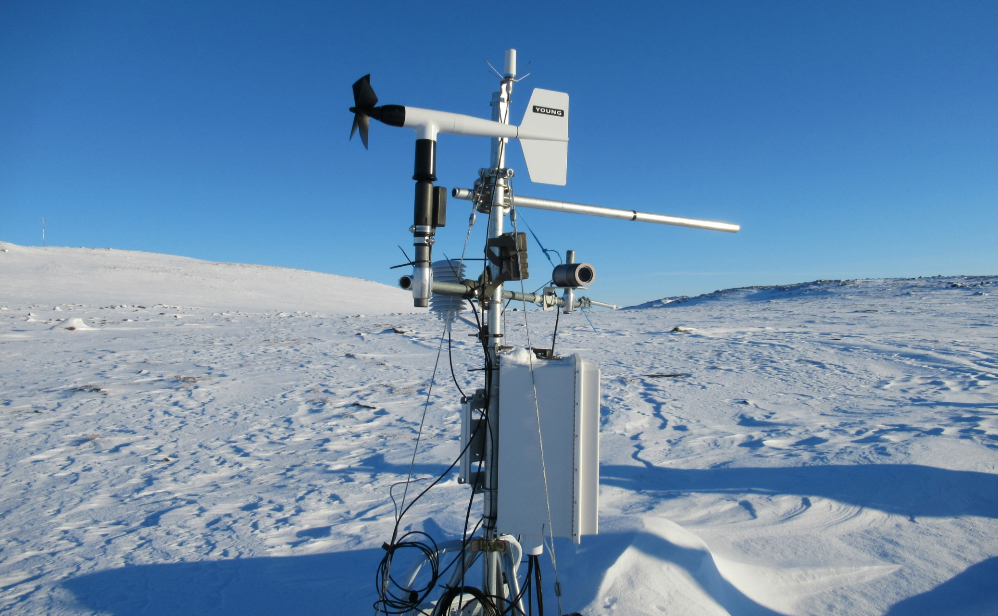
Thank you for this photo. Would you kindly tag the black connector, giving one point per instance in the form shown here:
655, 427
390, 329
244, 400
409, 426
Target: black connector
439, 218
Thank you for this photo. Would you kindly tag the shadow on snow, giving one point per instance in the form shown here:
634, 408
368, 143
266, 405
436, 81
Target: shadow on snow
336, 583
971, 593
343, 582
903, 489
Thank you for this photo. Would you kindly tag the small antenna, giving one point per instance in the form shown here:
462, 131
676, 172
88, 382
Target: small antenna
498, 74
43, 231
519, 79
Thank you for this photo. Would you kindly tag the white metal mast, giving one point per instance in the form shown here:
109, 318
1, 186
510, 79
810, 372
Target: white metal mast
500, 113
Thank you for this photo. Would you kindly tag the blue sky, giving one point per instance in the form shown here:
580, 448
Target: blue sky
849, 139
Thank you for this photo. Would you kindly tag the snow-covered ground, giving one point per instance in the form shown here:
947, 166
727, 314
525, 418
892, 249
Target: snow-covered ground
220, 439
103, 276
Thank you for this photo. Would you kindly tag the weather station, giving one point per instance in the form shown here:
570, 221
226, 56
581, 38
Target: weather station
529, 442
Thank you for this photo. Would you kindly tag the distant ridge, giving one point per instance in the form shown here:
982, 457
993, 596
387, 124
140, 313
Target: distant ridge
821, 288
104, 276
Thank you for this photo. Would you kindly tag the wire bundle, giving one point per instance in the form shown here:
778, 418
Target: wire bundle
394, 598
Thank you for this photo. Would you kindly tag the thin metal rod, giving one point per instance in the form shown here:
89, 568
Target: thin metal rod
604, 305
453, 288
609, 212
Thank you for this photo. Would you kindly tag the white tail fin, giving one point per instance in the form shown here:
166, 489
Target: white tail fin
547, 114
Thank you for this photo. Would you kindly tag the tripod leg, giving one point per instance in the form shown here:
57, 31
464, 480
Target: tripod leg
514, 583
455, 577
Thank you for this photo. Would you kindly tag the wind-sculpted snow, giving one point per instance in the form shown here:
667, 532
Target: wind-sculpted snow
822, 451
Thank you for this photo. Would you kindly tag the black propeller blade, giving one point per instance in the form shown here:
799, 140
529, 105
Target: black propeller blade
363, 93
363, 122
364, 100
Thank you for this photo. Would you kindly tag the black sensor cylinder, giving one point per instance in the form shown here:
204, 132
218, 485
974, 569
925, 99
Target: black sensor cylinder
573, 275
423, 215
426, 161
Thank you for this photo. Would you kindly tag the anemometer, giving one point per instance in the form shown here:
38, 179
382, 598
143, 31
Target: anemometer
530, 436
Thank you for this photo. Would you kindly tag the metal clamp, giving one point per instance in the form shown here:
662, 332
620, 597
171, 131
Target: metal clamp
484, 190
502, 174
485, 545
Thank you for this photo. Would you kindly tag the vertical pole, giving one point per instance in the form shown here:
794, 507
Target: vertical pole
491, 570
43, 231
569, 295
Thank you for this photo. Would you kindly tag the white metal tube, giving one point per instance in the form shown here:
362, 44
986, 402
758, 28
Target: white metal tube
428, 122
604, 305
608, 212
511, 561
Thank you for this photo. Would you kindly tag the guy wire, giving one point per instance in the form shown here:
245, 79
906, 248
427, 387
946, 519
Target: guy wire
540, 441
422, 420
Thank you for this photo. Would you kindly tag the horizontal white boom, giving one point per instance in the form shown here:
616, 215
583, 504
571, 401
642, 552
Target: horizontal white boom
609, 212
428, 122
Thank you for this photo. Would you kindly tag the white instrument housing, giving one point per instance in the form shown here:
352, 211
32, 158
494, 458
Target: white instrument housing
567, 401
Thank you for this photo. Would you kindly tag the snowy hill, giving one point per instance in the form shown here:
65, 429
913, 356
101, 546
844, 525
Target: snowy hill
103, 276
899, 287
831, 449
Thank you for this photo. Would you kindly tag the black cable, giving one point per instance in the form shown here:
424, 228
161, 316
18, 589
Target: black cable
513, 604
488, 605
389, 601
464, 532
527, 583
477, 320
554, 336
422, 421
450, 356
442, 475
542, 286
540, 593
537, 239
437, 480
487, 367
391, 492
454, 560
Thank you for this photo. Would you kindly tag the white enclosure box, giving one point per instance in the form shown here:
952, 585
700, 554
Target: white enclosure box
565, 394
